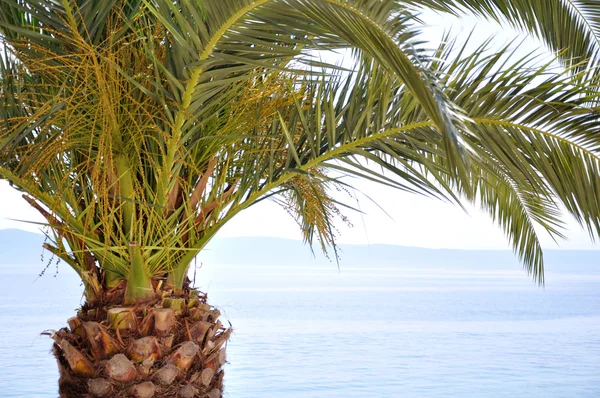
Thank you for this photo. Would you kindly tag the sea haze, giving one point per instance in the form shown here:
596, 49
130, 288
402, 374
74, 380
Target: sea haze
390, 322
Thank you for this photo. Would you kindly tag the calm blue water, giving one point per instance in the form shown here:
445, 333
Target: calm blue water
363, 332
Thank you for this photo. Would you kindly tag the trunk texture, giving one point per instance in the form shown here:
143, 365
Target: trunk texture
164, 347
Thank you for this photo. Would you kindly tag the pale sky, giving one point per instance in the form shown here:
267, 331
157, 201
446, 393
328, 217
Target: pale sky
411, 220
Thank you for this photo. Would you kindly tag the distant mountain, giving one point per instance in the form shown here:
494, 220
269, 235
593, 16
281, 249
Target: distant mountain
20, 247
276, 251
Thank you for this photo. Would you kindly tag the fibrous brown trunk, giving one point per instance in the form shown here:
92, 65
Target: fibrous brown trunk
166, 347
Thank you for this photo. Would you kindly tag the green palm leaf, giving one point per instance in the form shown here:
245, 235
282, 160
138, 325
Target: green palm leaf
569, 27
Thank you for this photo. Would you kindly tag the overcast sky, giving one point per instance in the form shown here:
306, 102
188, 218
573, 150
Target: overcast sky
410, 220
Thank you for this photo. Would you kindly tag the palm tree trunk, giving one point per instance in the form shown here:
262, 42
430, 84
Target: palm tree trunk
167, 347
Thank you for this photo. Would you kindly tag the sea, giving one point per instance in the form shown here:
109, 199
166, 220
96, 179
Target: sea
354, 331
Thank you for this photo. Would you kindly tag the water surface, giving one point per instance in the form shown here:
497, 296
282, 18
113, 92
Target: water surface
360, 332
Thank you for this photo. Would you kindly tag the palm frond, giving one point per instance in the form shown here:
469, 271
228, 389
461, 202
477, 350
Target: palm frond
534, 132
570, 28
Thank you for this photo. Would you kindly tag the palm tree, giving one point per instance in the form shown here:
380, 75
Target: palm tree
138, 128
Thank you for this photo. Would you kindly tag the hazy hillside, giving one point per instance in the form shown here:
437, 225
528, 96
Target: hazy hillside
274, 251
19, 247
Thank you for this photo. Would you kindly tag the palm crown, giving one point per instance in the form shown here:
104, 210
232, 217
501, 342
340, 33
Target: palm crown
139, 128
